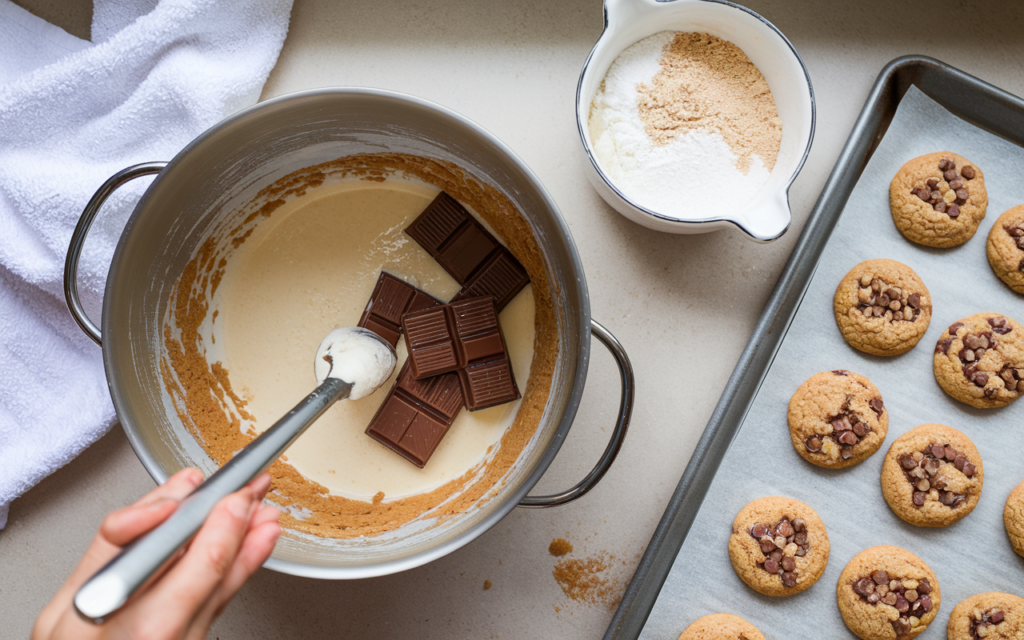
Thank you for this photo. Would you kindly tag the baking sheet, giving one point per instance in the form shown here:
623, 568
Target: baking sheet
969, 557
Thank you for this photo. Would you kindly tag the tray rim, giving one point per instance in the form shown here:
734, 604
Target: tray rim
966, 96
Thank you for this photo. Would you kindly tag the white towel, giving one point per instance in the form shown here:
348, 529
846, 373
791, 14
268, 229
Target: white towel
73, 113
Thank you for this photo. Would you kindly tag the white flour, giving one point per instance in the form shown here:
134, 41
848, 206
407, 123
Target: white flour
692, 177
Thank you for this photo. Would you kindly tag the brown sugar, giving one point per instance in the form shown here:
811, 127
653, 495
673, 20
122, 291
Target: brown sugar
707, 83
559, 547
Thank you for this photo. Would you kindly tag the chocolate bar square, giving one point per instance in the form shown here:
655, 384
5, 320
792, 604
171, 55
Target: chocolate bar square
391, 299
416, 415
468, 252
463, 336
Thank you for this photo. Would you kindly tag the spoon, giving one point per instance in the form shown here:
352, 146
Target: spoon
351, 362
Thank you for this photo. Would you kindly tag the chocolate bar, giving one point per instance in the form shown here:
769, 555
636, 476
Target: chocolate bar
391, 299
463, 336
468, 252
416, 414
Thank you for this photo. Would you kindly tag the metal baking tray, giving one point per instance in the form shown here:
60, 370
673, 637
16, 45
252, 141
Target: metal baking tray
967, 97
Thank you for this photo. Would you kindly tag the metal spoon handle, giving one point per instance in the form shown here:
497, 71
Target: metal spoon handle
111, 586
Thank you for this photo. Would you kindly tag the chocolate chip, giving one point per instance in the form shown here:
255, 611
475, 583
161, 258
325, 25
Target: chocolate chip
939, 206
788, 564
784, 529
767, 546
771, 566
967, 172
800, 538
946, 164
848, 437
979, 378
876, 405
953, 328
950, 453
969, 469
996, 616
919, 499
938, 450
1000, 325
953, 211
840, 372
957, 183
880, 577
908, 462
864, 587
789, 579
961, 195
943, 345
813, 444
924, 587
922, 193
932, 183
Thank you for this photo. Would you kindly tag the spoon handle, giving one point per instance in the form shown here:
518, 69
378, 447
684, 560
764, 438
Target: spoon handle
111, 586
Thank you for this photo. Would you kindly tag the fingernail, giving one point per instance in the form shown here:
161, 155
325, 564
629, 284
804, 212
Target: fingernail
239, 505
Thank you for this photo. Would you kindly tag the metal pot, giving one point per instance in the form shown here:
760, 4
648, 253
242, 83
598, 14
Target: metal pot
252, 149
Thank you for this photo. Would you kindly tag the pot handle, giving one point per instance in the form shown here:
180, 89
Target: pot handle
82, 230
618, 434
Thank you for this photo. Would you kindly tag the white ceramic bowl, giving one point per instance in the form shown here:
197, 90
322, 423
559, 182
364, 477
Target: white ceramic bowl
627, 21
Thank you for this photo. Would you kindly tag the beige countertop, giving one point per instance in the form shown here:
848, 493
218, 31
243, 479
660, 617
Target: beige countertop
683, 306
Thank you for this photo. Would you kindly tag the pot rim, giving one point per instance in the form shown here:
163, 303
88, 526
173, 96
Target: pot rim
565, 421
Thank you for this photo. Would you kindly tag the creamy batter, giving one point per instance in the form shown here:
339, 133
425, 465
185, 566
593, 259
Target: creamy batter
310, 268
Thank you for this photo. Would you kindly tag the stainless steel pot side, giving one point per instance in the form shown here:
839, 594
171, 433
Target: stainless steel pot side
252, 149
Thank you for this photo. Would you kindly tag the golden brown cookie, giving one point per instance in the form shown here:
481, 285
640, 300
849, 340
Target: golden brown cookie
932, 476
721, 626
882, 307
1005, 248
1013, 518
979, 360
837, 419
938, 199
887, 592
987, 616
778, 546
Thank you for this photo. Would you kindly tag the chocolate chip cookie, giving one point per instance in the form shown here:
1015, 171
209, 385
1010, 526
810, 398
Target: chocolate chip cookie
938, 199
778, 546
1005, 248
837, 419
932, 476
886, 590
987, 616
1013, 518
882, 307
721, 626
979, 360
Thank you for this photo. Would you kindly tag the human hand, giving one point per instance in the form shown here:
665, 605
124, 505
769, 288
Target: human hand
183, 600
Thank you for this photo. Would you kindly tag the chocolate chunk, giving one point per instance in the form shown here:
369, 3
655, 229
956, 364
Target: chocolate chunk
391, 299
416, 414
467, 251
463, 336
501, 276
967, 172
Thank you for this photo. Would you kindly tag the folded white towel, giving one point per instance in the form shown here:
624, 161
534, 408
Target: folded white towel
73, 113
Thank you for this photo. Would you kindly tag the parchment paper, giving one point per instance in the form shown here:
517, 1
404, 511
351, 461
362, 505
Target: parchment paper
969, 557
